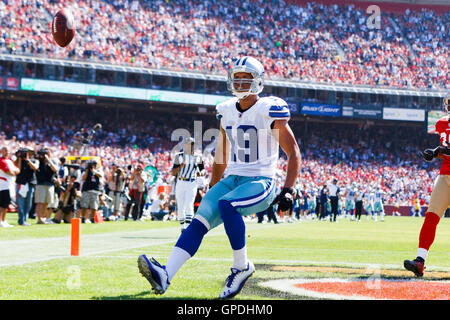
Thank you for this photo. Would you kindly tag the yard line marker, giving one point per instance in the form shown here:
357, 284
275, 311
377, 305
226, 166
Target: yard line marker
75, 237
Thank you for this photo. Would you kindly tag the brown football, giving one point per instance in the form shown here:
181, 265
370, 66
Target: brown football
63, 27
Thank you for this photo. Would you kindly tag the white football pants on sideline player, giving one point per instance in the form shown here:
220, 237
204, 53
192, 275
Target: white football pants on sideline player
185, 193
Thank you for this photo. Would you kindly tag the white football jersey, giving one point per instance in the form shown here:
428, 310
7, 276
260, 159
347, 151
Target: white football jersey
350, 193
379, 196
253, 145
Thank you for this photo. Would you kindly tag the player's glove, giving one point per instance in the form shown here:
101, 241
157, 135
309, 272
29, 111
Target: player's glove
430, 154
285, 199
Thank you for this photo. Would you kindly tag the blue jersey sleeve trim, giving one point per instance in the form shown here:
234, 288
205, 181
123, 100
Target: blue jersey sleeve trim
279, 114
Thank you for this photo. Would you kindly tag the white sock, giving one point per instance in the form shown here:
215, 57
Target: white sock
240, 258
176, 259
421, 252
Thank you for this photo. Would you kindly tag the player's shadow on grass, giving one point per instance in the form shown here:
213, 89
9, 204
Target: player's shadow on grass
152, 237
141, 296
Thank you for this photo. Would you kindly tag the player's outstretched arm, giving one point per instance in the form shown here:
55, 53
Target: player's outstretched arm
289, 145
220, 158
438, 152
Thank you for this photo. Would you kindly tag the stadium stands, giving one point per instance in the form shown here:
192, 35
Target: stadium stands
313, 42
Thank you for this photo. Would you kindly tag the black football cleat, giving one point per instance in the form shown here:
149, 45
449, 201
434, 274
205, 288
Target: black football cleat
415, 266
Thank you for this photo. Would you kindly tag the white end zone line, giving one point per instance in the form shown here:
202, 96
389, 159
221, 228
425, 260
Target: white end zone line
287, 285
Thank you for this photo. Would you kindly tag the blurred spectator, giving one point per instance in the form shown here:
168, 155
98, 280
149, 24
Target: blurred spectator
45, 188
159, 208
7, 172
91, 191
302, 41
25, 183
137, 188
116, 184
324, 202
67, 201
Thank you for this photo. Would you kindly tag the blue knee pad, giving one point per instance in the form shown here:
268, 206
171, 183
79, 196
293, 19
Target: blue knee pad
192, 237
233, 223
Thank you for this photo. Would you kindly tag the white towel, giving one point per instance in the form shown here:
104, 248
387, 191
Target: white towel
23, 190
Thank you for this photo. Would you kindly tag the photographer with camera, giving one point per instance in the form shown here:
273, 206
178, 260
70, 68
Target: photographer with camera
77, 141
70, 191
137, 188
25, 183
90, 191
116, 184
45, 188
82, 139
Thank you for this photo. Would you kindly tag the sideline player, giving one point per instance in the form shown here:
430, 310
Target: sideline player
378, 203
440, 196
350, 202
251, 131
370, 209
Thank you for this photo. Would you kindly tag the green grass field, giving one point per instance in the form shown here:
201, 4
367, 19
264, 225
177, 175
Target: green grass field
35, 261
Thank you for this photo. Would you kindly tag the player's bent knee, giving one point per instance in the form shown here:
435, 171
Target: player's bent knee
225, 207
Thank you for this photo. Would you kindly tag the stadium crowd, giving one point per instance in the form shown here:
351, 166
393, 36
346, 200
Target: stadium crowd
312, 42
366, 157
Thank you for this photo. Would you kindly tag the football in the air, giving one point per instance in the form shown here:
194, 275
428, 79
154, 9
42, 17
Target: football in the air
63, 27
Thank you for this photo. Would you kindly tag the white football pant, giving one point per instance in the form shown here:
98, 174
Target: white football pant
185, 193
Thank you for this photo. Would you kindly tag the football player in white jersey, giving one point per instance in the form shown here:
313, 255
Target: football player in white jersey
350, 201
369, 199
378, 204
242, 180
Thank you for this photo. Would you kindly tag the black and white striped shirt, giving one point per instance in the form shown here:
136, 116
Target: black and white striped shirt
193, 164
334, 190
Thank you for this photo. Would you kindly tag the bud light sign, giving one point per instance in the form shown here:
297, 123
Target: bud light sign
320, 109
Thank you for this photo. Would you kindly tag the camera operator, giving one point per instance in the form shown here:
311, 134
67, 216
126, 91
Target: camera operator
25, 183
116, 184
90, 191
137, 188
77, 141
45, 188
63, 172
82, 139
70, 191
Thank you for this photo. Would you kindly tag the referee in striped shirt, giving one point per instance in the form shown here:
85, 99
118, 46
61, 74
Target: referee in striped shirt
187, 166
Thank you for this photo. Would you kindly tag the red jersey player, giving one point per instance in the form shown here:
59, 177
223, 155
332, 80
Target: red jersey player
440, 195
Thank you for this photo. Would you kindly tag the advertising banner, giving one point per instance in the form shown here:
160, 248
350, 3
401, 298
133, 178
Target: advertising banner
320, 109
12, 83
367, 113
347, 111
293, 106
362, 112
404, 114
95, 90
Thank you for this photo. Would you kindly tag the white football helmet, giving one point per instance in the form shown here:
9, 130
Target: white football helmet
248, 65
